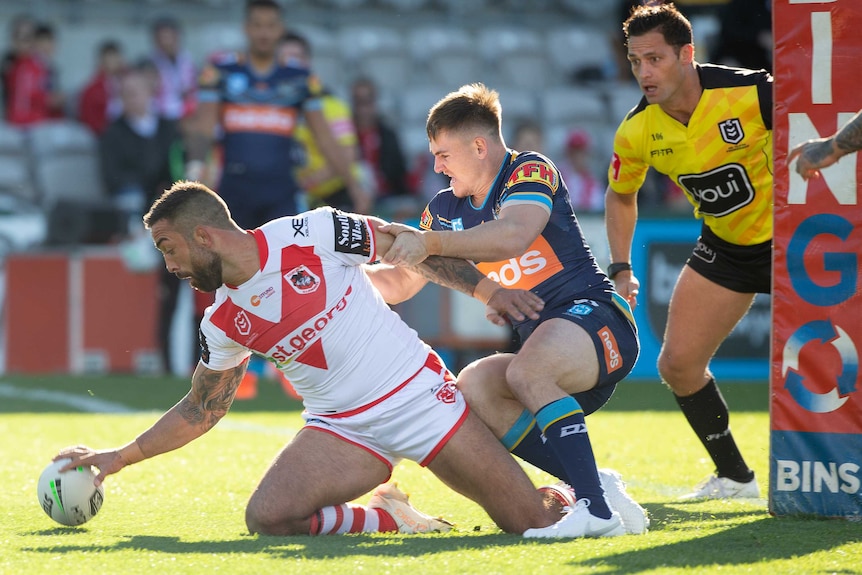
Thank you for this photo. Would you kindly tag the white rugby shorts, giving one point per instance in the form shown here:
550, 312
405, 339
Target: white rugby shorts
413, 421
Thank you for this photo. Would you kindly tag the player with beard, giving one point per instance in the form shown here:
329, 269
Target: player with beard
295, 292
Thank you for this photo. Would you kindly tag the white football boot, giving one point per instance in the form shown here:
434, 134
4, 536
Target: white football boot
634, 517
409, 520
579, 522
714, 487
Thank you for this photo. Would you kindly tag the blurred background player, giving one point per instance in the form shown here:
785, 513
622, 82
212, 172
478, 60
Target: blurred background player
316, 176
712, 129
254, 102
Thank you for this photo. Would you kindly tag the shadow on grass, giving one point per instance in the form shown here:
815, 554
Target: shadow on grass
761, 540
299, 546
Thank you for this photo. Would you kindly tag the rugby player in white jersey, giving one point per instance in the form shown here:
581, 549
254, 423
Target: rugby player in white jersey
294, 291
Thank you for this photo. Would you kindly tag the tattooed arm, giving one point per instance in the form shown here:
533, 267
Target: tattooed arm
400, 283
203, 406
817, 154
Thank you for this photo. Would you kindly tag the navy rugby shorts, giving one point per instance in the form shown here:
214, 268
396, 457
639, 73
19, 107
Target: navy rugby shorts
612, 328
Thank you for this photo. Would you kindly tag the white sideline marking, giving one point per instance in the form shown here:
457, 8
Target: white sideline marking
90, 404
80, 402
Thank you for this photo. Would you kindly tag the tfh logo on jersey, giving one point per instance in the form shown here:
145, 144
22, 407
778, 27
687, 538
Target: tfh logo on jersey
302, 279
720, 191
731, 131
534, 172
351, 235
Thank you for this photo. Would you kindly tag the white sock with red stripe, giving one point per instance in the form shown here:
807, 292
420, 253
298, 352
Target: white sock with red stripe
349, 518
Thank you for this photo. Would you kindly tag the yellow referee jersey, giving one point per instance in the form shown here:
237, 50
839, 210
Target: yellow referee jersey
722, 159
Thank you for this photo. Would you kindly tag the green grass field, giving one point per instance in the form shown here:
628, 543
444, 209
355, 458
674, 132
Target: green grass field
183, 512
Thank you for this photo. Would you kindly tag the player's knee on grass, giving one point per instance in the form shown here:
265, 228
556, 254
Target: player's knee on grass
264, 519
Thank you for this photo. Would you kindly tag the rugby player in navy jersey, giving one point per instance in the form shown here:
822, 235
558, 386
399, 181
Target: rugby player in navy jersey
256, 101
710, 129
509, 212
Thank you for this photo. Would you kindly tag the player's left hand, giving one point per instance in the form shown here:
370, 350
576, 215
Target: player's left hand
518, 304
408, 249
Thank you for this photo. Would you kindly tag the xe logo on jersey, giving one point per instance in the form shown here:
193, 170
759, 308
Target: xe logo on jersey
302, 279
731, 131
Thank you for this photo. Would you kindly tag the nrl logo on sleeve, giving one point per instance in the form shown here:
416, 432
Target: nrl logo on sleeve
538, 172
302, 279
731, 131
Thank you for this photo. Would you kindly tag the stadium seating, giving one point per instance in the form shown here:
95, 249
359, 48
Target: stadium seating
15, 165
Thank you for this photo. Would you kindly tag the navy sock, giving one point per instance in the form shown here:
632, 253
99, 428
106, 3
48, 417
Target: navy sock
525, 440
562, 422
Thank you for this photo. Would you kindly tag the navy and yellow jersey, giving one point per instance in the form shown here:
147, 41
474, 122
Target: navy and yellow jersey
722, 159
259, 114
559, 264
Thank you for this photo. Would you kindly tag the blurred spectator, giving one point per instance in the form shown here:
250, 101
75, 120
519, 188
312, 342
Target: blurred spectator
100, 101
135, 148
586, 193
528, 136
21, 42
316, 176
27, 80
45, 45
379, 145
136, 151
745, 35
177, 93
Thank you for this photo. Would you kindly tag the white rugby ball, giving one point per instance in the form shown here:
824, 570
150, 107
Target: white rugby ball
69, 498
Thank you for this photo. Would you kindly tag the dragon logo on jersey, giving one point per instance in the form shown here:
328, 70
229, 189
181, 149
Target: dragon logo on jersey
446, 393
538, 172
302, 279
731, 131
242, 322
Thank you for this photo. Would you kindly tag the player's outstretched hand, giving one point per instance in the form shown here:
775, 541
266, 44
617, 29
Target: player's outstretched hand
518, 304
108, 462
813, 156
408, 249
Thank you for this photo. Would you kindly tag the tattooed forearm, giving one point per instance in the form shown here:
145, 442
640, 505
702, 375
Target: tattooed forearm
211, 395
849, 138
817, 152
452, 273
